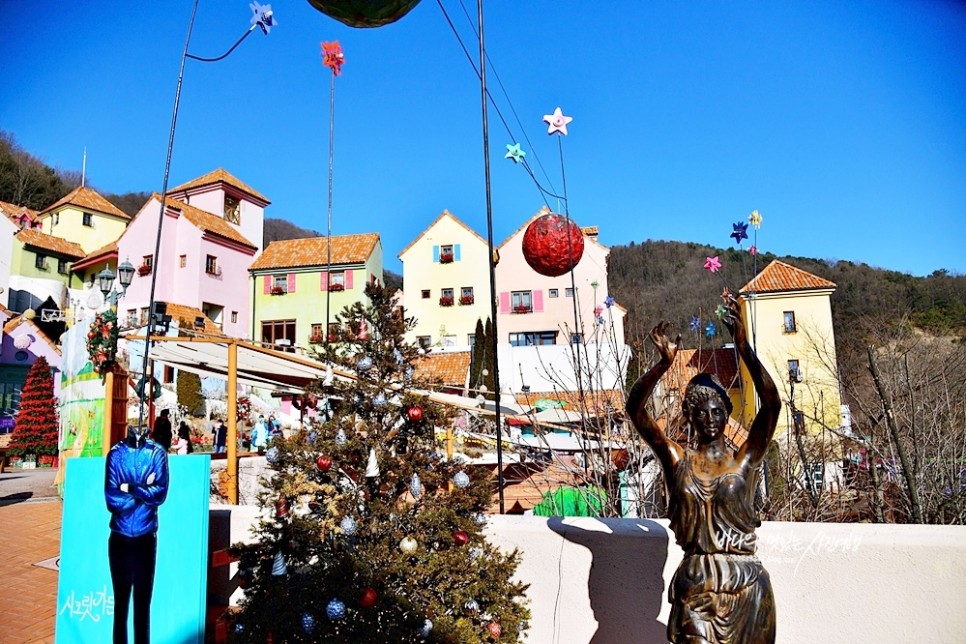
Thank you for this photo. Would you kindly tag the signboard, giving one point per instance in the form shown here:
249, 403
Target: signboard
85, 597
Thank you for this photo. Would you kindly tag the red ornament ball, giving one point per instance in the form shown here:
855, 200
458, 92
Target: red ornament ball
324, 463
415, 414
461, 538
551, 246
368, 597
494, 629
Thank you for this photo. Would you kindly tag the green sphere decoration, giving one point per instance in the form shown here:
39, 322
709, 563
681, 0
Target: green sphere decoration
365, 13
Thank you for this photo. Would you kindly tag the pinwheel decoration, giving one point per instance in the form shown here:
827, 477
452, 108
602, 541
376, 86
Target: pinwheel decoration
609, 301
557, 122
739, 231
695, 324
753, 250
264, 16
514, 153
712, 264
755, 219
721, 311
710, 330
332, 56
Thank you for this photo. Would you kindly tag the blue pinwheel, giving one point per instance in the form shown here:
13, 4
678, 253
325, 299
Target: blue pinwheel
695, 324
609, 301
740, 231
710, 330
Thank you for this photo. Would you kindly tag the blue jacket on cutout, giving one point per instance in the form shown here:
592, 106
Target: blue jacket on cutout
134, 513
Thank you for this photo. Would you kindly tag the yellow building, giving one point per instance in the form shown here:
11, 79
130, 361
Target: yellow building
788, 314
84, 217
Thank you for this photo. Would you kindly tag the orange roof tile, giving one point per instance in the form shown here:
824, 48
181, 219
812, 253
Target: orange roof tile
206, 222
445, 213
313, 251
593, 400
779, 277
37, 239
688, 363
13, 212
88, 200
185, 316
95, 255
450, 367
220, 176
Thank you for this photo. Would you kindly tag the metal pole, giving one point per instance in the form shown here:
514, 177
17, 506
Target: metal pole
328, 239
489, 241
232, 462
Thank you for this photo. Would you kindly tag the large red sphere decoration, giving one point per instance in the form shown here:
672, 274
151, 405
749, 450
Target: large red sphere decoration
415, 414
461, 538
551, 247
324, 463
368, 598
365, 13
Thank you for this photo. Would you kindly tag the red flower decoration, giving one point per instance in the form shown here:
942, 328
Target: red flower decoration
332, 56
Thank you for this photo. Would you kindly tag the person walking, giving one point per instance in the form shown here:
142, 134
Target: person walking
260, 435
221, 436
162, 430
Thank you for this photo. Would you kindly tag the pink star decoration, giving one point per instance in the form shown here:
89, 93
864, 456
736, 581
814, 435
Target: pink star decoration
557, 122
753, 250
712, 264
332, 56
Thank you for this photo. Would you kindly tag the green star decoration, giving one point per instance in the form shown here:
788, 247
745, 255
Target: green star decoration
515, 153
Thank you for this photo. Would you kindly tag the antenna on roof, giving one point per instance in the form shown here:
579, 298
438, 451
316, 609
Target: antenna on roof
84, 168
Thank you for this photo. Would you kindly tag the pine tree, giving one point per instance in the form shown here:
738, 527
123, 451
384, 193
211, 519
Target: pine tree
369, 534
35, 432
189, 392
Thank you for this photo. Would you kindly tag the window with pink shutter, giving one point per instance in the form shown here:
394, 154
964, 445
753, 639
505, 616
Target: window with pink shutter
348, 280
325, 281
267, 284
538, 301
291, 282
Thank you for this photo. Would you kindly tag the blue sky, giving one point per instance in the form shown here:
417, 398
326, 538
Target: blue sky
844, 124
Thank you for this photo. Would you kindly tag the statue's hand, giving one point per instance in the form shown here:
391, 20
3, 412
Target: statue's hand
732, 317
665, 346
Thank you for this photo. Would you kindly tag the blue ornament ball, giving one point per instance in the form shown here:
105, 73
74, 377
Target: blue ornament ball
472, 606
271, 455
239, 628
379, 400
340, 438
312, 436
308, 623
364, 363
461, 479
335, 609
415, 486
348, 525
426, 628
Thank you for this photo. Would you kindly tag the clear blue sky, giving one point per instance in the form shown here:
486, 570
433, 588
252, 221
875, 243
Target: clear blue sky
843, 123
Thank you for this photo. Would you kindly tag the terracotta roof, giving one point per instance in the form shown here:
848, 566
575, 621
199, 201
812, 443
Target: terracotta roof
206, 222
13, 211
445, 213
37, 239
110, 250
179, 312
313, 251
88, 200
594, 400
451, 367
13, 323
526, 483
779, 277
220, 176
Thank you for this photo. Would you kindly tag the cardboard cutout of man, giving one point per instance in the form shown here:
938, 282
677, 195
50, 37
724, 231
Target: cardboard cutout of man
135, 484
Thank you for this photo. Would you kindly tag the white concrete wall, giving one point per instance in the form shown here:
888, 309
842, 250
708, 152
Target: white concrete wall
605, 581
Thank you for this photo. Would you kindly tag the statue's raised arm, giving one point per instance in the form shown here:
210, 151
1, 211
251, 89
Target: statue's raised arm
666, 450
763, 426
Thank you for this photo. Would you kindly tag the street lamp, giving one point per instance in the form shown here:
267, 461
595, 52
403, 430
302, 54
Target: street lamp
105, 281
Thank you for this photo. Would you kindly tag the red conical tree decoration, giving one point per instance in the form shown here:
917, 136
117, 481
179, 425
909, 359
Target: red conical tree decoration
36, 426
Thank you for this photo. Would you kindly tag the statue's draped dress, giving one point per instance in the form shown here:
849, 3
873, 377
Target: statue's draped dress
720, 593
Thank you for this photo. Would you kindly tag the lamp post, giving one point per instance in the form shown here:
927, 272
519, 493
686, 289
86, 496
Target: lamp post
105, 282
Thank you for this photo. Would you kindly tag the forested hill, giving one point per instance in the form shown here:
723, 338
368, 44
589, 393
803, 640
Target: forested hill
666, 280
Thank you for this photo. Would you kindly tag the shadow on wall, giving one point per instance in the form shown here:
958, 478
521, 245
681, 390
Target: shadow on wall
626, 581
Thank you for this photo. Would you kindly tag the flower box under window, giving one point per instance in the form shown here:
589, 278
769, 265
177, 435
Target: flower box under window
445, 258
315, 339
446, 301
523, 308
278, 290
336, 287
466, 300
144, 269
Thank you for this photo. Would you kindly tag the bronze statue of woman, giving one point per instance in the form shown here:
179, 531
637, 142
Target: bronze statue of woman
720, 592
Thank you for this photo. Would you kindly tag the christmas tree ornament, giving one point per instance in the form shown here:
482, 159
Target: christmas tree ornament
271, 455
313, 435
308, 623
324, 463
414, 414
364, 363
398, 356
552, 245
475, 553
348, 525
368, 597
408, 545
239, 628
425, 629
340, 437
335, 609
461, 538
278, 565
379, 401
461, 479
372, 465
480, 518
281, 507
408, 374
472, 606
494, 629
415, 486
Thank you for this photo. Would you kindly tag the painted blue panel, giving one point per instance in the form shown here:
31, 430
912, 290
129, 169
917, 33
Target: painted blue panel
85, 599
456, 252
436, 253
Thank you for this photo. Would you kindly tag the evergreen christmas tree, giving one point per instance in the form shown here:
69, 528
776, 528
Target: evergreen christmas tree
35, 432
369, 534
